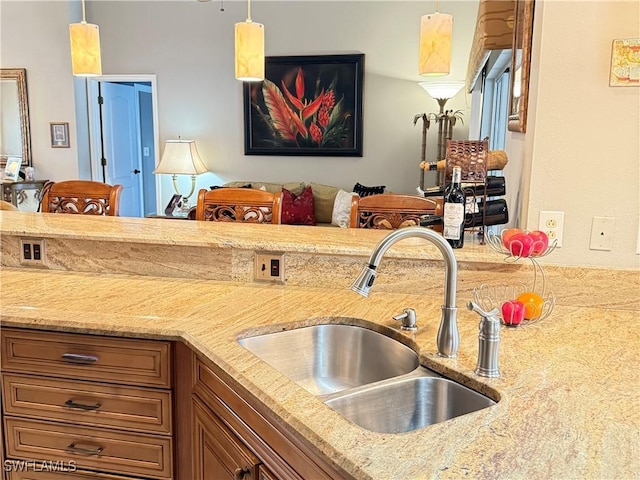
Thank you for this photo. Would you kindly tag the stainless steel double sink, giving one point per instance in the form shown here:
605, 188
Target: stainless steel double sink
371, 379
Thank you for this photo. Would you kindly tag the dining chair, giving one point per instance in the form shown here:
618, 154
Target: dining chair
247, 205
83, 197
389, 211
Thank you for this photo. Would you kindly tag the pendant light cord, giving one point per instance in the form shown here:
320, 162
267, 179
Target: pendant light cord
83, 13
437, 6
248, 10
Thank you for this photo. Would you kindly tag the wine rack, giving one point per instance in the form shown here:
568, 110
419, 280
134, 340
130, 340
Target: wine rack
471, 156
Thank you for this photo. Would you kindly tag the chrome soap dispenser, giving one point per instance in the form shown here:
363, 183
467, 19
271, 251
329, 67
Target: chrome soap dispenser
488, 341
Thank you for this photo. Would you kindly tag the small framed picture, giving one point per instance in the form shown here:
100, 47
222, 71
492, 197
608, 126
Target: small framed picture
172, 205
625, 63
12, 169
59, 134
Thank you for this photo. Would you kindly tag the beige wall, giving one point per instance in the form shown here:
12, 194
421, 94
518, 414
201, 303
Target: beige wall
582, 147
35, 36
582, 135
190, 46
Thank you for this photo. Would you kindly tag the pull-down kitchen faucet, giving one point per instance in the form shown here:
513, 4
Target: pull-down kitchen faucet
448, 338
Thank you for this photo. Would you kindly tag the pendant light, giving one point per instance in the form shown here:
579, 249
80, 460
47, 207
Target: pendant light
85, 48
249, 49
435, 43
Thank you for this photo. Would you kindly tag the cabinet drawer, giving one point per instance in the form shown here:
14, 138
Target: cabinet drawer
116, 360
93, 404
91, 448
37, 472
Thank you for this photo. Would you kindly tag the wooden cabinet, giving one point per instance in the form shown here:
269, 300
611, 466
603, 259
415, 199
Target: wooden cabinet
102, 403
237, 438
218, 453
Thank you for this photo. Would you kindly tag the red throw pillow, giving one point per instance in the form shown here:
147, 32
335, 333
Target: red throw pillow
298, 210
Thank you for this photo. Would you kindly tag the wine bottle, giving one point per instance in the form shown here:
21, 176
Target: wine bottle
495, 187
496, 160
497, 214
453, 211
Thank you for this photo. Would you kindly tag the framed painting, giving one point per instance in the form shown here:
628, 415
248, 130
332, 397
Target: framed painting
307, 105
625, 63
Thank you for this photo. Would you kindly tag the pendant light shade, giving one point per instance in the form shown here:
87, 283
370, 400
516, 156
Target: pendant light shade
249, 51
435, 44
85, 48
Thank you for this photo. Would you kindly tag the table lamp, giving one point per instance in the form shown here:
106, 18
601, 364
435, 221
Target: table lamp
181, 157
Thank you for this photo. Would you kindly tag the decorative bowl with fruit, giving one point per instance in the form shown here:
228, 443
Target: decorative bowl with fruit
516, 243
518, 304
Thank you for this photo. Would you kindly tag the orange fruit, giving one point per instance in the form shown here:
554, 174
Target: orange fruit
532, 304
507, 234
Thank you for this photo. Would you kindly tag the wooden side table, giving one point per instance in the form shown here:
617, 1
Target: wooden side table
169, 217
25, 195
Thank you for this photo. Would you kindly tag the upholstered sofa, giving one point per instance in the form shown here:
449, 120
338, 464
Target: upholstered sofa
324, 199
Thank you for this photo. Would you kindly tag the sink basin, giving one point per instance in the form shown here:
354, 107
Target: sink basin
373, 380
325, 359
408, 403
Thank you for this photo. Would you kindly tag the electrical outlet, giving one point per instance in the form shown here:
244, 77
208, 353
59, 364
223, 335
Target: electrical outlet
552, 223
269, 267
602, 233
32, 252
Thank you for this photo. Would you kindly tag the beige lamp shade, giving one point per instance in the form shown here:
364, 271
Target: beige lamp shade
435, 44
181, 157
85, 49
249, 51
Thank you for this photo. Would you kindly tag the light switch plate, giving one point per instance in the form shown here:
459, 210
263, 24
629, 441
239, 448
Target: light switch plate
602, 233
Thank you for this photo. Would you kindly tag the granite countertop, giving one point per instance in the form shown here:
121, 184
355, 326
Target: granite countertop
568, 395
298, 238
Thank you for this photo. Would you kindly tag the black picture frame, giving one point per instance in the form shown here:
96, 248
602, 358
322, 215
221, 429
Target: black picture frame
307, 105
173, 204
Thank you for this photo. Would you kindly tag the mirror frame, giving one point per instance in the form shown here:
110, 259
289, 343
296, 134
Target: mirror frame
522, 34
20, 75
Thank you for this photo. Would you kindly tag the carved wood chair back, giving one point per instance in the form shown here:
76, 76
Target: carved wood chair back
84, 197
390, 211
246, 205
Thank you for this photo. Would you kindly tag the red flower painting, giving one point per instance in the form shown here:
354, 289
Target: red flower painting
306, 106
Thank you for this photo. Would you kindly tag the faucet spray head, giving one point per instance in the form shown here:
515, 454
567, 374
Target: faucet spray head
362, 284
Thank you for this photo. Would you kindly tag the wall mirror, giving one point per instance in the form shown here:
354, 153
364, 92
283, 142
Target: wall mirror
15, 139
520, 62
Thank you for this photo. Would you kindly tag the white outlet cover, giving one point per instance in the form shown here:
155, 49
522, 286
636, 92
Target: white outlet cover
552, 223
602, 229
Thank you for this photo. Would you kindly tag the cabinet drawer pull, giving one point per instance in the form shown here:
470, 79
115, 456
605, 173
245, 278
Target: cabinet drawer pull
79, 358
82, 406
84, 451
239, 473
